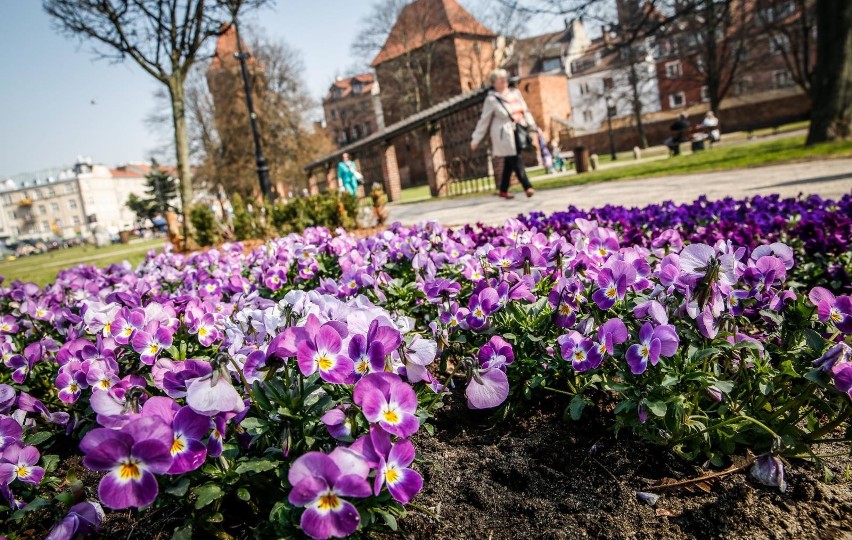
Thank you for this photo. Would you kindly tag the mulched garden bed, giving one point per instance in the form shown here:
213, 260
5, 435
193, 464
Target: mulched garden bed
539, 477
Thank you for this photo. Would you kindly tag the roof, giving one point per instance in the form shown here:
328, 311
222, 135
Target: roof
598, 57
427, 21
226, 48
345, 86
539, 48
436, 112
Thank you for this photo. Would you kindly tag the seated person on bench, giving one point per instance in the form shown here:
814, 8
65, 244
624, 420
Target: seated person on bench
680, 134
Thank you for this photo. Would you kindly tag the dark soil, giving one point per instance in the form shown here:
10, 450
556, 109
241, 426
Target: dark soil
539, 477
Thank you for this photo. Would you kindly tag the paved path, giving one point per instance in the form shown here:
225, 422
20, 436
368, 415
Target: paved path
828, 178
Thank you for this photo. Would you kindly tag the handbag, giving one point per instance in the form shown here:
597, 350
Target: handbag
523, 139
358, 176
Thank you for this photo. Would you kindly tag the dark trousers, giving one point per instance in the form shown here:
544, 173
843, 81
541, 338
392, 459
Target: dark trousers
513, 164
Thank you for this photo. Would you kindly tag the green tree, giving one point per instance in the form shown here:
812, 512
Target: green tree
161, 188
141, 207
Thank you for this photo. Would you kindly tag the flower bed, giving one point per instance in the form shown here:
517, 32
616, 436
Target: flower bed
277, 391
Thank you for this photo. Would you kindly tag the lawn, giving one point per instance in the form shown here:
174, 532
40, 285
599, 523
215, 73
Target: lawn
42, 269
741, 156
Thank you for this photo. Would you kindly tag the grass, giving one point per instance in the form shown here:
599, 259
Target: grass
753, 154
42, 268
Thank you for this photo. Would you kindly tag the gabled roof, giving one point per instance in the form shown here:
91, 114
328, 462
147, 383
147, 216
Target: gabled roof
344, 86
427, 21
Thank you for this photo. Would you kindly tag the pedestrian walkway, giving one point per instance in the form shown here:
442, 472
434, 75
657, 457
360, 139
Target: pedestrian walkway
828, 178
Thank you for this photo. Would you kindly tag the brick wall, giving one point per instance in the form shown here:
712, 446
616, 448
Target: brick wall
546, 96
739, 117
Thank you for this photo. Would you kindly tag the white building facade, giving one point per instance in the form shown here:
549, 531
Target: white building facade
598, 81
70, 202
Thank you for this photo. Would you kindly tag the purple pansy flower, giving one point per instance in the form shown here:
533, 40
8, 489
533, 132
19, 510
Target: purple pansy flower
81, 520
613, 283
152, 341
581, 351
653, 343
188, 428
392, 465
319, 483
388, 401
130, 457
19, 463
320, 350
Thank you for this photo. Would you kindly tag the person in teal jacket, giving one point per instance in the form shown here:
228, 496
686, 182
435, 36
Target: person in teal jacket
347, 174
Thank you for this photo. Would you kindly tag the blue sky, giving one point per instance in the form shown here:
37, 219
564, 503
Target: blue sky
48, 83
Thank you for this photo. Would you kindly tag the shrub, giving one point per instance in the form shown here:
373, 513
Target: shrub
205, 229
330, 210
246, 225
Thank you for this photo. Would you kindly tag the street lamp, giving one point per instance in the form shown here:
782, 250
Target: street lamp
262, 167
610, 110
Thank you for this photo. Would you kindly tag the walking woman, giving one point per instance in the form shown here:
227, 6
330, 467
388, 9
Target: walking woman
504, 107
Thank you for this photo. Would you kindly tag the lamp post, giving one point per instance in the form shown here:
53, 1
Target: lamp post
610, 106
262, 167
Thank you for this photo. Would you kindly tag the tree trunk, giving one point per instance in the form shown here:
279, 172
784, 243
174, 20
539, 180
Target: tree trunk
831, 90
637, 104
178, 97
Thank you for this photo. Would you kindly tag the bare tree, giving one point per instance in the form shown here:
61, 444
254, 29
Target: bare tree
790, 26
831, 90
282, 104
164, 37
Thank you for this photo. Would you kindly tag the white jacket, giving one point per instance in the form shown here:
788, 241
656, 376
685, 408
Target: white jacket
496, 119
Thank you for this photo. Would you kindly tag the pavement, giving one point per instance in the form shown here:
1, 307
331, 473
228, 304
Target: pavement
829, 178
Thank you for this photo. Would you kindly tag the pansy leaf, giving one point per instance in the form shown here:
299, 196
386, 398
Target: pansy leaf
184, 533
206, 494
658, 408
38, 437
179, 489
256, 466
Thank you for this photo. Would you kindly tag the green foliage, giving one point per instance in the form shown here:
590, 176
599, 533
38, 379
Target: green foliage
161, 188
204, 226
246, 226
330, 210
141, 207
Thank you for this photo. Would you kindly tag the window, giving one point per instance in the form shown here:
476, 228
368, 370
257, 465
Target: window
677, 100
551, 64
36, 195
674, 70
705, 95
70, 188
366, 129
778, 44
72, 204
356, 133
333, 114
608, 83
588, 116
356, 88
742, 86
782, 79
7, 199
45, 226
54, 207
51, 192
42, 209
11, 214
584, 89
76, 220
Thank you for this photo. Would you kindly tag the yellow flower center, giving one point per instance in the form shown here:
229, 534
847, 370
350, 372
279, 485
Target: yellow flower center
202, 332
392, 475
108, 328
645, 351
478, 313
129, 470
611, 292
362, 367
128, 330
154, 348
22, 471
325, 362
178, 445
565, 309
329, 501
73, 388
391, 416
579, 355
835, 316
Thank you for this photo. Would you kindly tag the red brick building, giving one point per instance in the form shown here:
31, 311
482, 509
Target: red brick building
352, 108
436, 50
